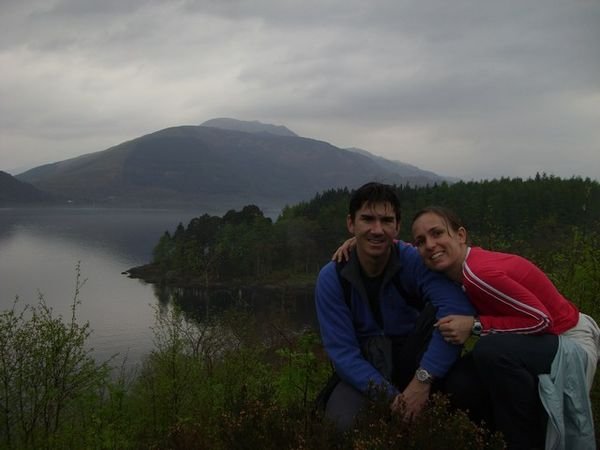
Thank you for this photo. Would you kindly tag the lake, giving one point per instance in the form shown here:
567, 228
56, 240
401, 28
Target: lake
40, 249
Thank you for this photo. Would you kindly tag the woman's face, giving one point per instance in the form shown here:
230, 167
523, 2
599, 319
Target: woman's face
442, 249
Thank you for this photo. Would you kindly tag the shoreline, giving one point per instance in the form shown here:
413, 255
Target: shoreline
152, 274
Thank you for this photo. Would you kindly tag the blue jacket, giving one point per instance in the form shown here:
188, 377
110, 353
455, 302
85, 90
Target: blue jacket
343, 330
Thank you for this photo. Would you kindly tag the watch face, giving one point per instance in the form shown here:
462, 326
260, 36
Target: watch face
477, 327
423, 376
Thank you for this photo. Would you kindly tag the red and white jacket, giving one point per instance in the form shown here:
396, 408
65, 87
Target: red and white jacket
512, 295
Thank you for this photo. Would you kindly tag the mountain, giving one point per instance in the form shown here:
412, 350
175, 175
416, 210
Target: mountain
249, 127
211, 168
14, 192
418, 176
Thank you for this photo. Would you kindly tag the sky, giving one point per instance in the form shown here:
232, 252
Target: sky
471, 89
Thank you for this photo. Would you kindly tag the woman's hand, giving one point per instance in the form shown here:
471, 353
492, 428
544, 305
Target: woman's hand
455, 329
343, 251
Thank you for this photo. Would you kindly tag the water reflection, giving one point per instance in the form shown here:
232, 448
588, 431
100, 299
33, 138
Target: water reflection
277, 306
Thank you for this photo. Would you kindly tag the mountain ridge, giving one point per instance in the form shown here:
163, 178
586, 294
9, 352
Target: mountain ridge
205, 166
254, 126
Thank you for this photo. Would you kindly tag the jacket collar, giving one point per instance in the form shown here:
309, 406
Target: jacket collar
352, 271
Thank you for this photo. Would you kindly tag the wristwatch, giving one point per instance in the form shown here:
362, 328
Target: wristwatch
423, 376
476, 330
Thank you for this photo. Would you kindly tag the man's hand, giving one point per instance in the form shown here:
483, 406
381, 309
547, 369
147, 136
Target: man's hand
455, 329
412, 400
343, 251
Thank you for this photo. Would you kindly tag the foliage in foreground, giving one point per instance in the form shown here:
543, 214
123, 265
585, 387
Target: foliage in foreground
220, 384
46, 376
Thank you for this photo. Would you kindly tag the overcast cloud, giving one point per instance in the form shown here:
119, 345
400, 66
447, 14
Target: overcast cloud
472, 89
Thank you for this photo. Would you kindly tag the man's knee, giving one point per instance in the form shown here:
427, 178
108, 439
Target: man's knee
343, 406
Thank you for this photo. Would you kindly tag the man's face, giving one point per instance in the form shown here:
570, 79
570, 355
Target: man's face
375, 227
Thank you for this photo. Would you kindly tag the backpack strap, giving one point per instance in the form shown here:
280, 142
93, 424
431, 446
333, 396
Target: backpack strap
347, 290
346, 287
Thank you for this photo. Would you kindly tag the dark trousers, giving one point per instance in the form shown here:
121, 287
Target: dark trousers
497, 382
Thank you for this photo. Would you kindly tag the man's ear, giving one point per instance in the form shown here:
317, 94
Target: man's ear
398, 223
350, 224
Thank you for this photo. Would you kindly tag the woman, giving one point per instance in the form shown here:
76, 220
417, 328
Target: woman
520, 316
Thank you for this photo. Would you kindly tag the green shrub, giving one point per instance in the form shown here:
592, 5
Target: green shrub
47, 376
303, 374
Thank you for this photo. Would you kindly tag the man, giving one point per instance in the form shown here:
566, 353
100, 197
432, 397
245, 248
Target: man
376, 314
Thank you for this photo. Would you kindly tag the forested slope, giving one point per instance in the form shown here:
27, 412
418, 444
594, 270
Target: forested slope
550, 220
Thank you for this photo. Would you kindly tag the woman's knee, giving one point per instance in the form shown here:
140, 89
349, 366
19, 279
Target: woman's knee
491, 348
533, 352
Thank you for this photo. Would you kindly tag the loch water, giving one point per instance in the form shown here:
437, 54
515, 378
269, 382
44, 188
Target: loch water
40, 249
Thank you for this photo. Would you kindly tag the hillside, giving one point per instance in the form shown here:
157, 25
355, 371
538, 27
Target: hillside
14, 192
212, 167
418, 176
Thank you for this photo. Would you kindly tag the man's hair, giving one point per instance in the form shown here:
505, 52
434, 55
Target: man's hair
372, 193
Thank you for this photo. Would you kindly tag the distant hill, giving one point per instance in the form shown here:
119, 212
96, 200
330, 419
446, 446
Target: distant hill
210, 167
403, 170
14, 192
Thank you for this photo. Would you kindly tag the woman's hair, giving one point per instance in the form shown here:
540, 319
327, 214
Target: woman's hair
452, 220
